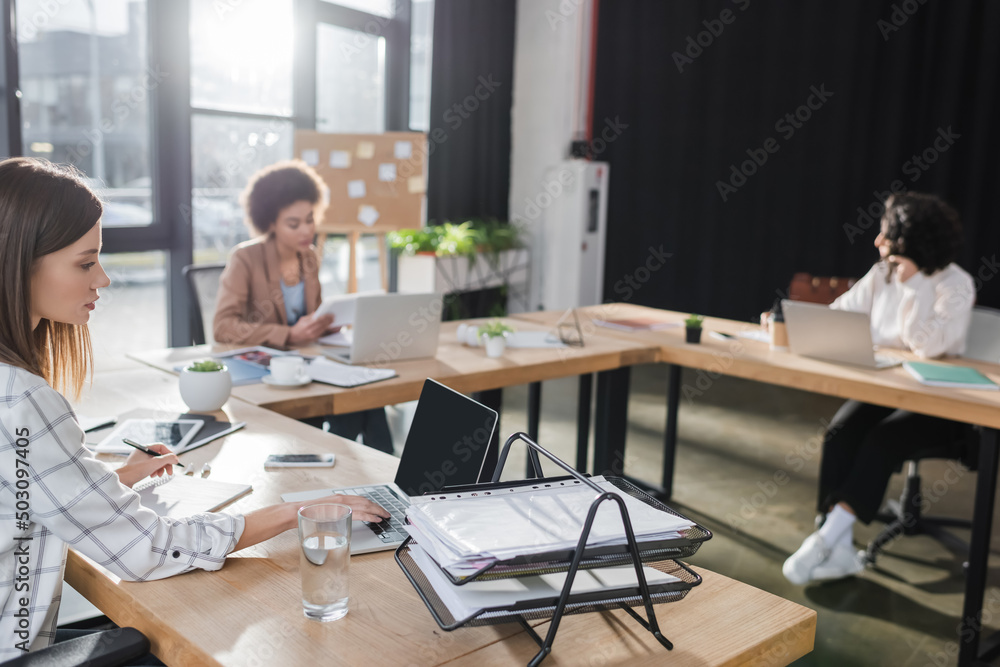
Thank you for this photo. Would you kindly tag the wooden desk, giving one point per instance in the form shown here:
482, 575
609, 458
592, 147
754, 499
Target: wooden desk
892, 387
463, 368
250, 612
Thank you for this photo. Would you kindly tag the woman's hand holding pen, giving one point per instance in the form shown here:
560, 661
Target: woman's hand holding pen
140, 465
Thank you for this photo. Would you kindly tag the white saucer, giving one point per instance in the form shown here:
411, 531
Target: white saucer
302, 381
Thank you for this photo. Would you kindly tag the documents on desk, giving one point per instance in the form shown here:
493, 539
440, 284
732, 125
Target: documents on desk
463, 533
539, 590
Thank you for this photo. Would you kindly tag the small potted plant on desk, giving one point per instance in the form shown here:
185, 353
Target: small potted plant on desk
692, 328
494, 336
205, 385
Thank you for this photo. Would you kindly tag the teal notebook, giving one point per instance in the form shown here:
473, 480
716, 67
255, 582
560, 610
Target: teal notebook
940, 375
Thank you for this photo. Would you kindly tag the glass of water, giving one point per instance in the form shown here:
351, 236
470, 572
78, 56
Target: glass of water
325, 557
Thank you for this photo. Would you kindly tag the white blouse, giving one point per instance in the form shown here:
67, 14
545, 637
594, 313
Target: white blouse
54, 493
929, 315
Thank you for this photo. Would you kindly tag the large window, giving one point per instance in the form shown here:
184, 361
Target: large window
99, 90
241, 99
85, 85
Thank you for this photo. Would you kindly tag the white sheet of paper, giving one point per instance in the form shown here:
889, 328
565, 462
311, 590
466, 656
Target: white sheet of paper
367, 215
310, 156
356, 189
387, 172
403, 150
340, 159
342, 338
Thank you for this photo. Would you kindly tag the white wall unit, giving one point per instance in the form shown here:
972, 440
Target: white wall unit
572, 234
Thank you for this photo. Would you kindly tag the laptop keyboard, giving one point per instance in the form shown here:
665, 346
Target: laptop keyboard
388, 530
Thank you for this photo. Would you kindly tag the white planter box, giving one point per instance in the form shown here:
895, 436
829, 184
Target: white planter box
428, 273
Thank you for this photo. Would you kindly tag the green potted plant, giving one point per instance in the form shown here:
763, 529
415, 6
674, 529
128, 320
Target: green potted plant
494, 336
205, 385
460, 256
692, 328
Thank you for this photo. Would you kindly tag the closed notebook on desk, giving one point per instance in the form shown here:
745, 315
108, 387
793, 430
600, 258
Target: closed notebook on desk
943, 375
180, 496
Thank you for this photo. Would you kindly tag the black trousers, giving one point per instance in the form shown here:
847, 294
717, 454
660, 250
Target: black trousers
865, 444
371, 424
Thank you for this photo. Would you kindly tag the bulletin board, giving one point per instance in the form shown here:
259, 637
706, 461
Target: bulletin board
377, 182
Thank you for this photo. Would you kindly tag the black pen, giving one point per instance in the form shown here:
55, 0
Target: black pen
146, 450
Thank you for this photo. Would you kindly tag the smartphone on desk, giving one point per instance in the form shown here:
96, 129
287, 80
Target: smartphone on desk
300, 461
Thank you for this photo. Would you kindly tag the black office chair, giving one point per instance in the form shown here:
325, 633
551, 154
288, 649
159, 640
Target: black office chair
203, 288
108, 648
904, 516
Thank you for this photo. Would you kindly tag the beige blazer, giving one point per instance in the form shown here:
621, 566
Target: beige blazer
251, 309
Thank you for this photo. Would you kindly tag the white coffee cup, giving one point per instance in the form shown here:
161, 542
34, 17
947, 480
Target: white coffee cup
287, 370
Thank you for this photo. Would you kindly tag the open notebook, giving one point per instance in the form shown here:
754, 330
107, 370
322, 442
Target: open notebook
180, 496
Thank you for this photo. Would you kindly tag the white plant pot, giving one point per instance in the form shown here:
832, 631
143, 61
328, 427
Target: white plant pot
472, 336
495, 345
205, 392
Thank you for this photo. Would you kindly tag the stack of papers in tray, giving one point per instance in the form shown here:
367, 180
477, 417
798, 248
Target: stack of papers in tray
534, 591
463, 534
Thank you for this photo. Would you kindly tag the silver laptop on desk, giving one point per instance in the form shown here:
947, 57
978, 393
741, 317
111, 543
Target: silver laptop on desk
843, 336
391, 327
446, 446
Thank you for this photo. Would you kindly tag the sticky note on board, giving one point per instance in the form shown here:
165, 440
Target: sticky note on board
403, 150
340, 159
366, 150
387, 172
356, 189
415, 184
310, 156
367, 215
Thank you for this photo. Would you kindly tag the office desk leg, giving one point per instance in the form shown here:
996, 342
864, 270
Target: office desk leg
670, 433
492, 398
534, 415
583, 420
611, 422
979, 549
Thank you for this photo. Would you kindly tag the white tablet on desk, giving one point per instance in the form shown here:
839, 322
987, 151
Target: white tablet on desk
174, 433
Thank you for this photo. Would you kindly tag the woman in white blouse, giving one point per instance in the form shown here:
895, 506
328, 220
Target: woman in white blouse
919, 300
53, 492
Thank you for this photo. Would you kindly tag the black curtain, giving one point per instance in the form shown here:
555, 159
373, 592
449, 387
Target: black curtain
704, 85
471, 80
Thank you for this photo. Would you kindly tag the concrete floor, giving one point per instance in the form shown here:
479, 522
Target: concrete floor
736, 440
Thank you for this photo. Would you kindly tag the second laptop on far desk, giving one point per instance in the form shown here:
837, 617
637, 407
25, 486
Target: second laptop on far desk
832, 335
389, 328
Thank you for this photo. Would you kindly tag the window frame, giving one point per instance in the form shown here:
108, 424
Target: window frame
171, 113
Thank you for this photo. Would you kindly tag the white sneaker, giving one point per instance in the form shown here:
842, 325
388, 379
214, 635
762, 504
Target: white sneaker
844, 561
799, 567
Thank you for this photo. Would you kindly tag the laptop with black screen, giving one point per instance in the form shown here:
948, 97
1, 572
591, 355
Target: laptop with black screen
446, 446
